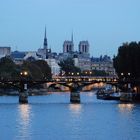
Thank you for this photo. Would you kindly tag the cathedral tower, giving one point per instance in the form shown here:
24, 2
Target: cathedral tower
68, 46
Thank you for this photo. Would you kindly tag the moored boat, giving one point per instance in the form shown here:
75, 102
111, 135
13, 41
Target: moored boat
107, 95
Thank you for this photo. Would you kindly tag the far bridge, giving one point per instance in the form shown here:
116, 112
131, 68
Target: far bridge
74, 83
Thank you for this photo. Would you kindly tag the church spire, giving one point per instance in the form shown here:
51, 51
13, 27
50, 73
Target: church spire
45, 40
72, 37
45, 31
72, 45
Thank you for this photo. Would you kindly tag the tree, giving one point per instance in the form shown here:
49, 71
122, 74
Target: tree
8, 69
127, 60
100, 73
68, 66
37, 70
34, 72
45, 68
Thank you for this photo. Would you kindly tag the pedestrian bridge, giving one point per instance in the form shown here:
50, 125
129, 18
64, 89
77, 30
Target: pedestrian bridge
74, 83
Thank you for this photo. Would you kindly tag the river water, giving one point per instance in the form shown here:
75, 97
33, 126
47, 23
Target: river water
52, 117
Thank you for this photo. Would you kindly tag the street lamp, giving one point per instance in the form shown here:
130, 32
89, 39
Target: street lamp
129, 73
129, 81
23, 96
126, 77
122, 74
24, 73
90, 73
23, 80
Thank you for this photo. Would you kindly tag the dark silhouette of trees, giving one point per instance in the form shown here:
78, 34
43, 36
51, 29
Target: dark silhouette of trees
34, 72
37, 70
68, 66
99, 73
127, 61
8, 69
45, 68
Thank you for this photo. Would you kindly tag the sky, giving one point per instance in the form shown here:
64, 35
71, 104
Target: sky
106, 24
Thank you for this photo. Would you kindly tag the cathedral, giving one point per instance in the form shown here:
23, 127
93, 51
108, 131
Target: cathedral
81, 56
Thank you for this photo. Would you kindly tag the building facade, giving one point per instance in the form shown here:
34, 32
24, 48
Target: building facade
104, 63
55, 68
5, 51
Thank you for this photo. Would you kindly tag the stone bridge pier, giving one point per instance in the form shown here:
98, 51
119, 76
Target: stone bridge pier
75, 93
23, 93
75, 97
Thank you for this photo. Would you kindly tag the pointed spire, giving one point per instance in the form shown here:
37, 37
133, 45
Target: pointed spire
72, 37
72, 49
45, 33
45, 40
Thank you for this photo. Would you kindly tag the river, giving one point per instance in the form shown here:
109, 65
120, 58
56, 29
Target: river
52, 117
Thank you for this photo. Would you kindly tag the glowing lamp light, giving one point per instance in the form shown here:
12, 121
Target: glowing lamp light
122, 74
129, 73
25, 73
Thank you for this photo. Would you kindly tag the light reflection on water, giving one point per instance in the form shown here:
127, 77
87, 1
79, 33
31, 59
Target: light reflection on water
24, 119
75, 108
24, 111
126, 107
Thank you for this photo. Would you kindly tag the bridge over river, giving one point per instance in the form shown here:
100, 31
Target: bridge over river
74, 83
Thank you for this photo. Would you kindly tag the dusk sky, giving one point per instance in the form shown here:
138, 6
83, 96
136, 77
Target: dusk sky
106, 24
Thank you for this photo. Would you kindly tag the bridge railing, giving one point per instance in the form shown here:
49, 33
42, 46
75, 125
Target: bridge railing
65, 79
86, 78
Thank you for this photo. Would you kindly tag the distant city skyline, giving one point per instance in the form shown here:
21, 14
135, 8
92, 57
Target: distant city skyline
105, 24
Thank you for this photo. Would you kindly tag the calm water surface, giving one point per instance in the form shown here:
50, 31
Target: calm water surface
52, 117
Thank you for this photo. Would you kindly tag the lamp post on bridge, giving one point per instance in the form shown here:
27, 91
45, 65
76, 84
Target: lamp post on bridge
23, 94
126, 78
